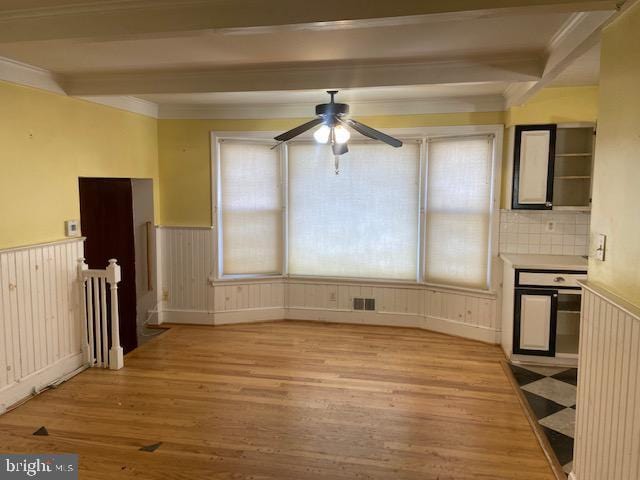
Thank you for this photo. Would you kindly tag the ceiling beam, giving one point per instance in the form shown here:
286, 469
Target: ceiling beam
144, 18
319, 75
580, 33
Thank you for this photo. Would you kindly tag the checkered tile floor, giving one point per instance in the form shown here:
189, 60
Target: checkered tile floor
551, 393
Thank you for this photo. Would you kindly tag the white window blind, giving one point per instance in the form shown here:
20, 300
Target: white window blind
250, 206
458, 211
360, 223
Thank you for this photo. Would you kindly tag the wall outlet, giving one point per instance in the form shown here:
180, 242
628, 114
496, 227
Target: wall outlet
165, 295
550, 226
601, 246
332, 296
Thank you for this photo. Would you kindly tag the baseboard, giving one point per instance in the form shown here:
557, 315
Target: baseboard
358, 317
458, 329
38, 380
389, 319
187, 317
249, 316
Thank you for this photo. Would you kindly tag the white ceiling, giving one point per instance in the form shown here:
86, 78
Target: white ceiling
433, 40
583, 71
474, 56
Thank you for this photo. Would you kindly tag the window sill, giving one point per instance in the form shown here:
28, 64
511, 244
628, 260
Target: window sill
367, 282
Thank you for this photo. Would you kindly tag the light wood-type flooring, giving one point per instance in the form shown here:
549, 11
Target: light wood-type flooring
290, 400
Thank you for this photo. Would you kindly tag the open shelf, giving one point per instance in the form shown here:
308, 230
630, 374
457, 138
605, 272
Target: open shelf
567, 344
572, 168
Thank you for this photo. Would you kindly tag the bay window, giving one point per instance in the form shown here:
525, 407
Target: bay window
419, 213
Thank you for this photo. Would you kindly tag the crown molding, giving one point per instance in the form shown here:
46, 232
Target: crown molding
26, 75
17, 72
479, 103
127, 103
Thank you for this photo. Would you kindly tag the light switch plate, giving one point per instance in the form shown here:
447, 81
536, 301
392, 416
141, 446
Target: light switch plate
72, 228
601, 246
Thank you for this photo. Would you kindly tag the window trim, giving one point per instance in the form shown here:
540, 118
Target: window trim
216, 211
412, 133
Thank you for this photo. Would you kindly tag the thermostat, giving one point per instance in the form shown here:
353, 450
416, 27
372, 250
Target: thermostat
72, 228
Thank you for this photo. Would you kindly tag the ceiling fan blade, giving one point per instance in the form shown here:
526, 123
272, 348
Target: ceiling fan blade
371, 132
294, 132
339, 148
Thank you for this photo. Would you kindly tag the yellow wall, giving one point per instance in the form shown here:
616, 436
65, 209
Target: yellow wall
616, 196
557, 105
49, 140
185, 155
46, 142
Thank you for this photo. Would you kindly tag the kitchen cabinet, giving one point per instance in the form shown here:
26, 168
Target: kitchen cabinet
535, 317
551, 166
533, 161
541, 301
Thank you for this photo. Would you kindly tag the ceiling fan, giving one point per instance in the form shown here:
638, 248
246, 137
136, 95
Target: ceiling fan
334, 127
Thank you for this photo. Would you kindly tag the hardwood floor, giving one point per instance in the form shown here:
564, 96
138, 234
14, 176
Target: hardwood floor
290, 400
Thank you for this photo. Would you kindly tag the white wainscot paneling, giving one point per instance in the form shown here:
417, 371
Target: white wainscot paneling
40, 317
185, 263
607, 439
187, 295
463, 314
249, 302
187, 266
333, 302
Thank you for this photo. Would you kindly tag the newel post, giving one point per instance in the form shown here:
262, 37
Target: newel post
82, 285
116, 356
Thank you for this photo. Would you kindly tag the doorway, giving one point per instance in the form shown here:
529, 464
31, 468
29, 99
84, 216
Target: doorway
113, 216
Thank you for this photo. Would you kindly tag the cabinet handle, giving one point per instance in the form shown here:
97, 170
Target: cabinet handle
559, 279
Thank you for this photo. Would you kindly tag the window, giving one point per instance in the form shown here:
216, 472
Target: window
459, 177
420, 213
250, 208
362, 222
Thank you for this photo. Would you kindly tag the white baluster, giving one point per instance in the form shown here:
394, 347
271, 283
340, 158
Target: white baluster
90, 312
95, 285
82, 282
105, 335
116, 356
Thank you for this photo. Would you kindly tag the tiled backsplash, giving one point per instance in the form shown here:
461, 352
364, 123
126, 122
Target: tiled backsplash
527, 232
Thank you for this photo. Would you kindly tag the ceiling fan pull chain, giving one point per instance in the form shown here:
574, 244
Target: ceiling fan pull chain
337, 164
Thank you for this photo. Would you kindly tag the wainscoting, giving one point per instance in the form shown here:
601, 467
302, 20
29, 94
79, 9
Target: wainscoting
40, 317
186, 266
608, 412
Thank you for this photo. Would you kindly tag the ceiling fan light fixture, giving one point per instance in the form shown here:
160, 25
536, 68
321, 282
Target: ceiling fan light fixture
322, 134
341, 134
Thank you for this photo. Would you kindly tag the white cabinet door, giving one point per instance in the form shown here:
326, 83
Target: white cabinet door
535, 322
533, 166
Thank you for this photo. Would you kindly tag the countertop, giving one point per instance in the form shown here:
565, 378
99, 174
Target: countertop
562, 262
